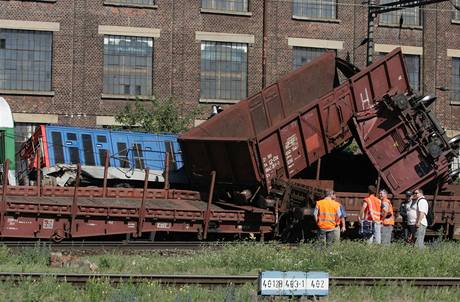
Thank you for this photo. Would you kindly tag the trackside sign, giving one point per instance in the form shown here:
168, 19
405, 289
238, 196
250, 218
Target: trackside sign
276, 283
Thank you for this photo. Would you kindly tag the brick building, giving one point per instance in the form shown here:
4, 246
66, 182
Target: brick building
79, 62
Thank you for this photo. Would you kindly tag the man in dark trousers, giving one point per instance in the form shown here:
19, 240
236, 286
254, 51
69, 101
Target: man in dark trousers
370, 217
403, 213
327, 215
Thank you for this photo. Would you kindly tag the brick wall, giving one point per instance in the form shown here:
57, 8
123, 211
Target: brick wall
78, 49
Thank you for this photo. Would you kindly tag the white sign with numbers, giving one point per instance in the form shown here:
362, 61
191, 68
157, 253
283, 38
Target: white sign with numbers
276, 283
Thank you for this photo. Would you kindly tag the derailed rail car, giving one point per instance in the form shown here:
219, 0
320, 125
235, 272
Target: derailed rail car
289, 125
262, 143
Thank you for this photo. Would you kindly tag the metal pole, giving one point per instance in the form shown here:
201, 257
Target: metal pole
142, 208
74, 209
378, 184
106, 173
370, 33
166, 171
436, 192
6, 167
208, 208
39, 170
318, 169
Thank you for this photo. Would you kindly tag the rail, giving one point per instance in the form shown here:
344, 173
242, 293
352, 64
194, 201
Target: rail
222, 280
114, 245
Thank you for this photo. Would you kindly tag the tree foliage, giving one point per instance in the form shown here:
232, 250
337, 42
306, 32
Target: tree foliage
156, 116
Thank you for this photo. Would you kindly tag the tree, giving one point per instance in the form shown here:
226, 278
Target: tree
155, 116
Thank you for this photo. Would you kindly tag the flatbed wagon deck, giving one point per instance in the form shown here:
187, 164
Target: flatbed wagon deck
59, 213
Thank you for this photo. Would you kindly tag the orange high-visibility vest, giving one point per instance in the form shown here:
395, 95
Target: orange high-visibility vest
374, 208
328, 218
390, 219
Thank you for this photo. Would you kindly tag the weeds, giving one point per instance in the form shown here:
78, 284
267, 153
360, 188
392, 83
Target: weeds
347, 258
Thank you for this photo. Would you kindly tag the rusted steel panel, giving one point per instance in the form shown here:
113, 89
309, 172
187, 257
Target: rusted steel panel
306, 84
292, 127
293, 148
371, 84
312, 130
44, 217
255, 119
401, 148
272, 157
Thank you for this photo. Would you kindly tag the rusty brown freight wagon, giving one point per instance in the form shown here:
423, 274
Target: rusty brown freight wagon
289, 125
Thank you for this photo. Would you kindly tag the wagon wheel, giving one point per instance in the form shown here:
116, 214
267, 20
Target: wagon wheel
290, 226
58, 236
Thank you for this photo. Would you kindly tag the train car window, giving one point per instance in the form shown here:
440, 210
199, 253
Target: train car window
169, 147
71, 136
138, 156
123, 155
74, 155
88, 151
101, 139
57, 147
102, 155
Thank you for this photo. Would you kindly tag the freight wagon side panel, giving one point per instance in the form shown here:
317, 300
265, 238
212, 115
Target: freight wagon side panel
408, 153
233, 160
303, 138
271, 106
371, 84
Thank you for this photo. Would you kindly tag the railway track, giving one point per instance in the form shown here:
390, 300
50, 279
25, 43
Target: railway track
221, 280
113, 245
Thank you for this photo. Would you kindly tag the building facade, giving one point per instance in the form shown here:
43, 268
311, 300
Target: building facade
80, 62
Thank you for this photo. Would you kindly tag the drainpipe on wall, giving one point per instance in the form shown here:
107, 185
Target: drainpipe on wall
264, 41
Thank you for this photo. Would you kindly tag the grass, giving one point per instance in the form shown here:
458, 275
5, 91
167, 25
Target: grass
347, 258
50, 290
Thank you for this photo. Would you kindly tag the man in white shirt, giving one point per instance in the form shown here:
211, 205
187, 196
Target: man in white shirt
411, 218
421, 222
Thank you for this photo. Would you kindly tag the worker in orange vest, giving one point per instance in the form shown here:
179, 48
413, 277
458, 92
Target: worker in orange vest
327, 215
388, 218
370, 217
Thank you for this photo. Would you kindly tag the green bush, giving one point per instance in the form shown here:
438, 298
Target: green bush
155, 116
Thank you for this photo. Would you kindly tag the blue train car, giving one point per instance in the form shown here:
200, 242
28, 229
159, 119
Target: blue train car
71, 145
130, 152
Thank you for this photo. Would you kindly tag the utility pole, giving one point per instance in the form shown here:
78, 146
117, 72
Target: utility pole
374, 10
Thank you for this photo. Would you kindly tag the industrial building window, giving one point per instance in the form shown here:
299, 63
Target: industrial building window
456, 79
304, 55
128, 65
132, 2
410, 16
224, 72
456, 11
226, 5
25, 60
324, 9
413, 70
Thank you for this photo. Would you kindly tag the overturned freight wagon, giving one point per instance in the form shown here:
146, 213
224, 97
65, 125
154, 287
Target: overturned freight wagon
292, 123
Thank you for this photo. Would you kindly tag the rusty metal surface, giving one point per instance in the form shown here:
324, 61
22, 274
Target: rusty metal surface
227, 143
99, 192
169, 204
44, 217
397, 142
74, 215
289, 125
